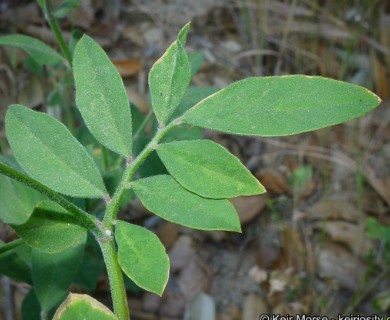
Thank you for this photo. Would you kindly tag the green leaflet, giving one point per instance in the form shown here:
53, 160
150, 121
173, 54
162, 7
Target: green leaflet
206, 168
31, 310
17, 201
101, 97
91, 267
278, 106
166, 198
39, 51
142, 257
65, 7
15, 263
53, 273
49, 153
169, 79
77, 305
51, 229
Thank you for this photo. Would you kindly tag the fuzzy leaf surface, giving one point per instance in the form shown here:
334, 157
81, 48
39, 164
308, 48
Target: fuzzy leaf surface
38, 50
49, 153
101, 97
207, 169
169, 79
53, 273
17, 201
142, 257
279, 106
51, 229
166, 198
82, 305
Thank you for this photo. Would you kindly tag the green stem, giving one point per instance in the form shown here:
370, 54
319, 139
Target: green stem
57, 31
11, 245
84, 219
118, 291
113, 205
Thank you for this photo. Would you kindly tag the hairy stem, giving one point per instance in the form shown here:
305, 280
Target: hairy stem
57, 31
83, 218
113, 205
11, 245
118, 291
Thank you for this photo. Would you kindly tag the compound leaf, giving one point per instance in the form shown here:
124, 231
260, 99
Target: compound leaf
142, 257
51, 229
82, 305
169, 79
279, 106
38, 50
166, 198
206, 168
101, 97
49, 153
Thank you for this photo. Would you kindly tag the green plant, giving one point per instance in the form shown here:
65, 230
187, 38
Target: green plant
41, 198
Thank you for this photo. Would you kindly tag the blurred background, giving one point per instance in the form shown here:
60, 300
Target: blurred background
319, 241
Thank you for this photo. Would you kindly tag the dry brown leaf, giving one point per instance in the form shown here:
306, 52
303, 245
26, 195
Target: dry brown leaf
380, 78
127, 67
293, 250
137, 99
334, 207
377, 183
249, 207
254, 306
384, 34
274, 181
168, 233
352, 235
336, 262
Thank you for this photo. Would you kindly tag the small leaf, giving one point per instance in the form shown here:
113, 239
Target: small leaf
166, 198
53, 273
208, 169
65, 7
101, 97
17, 201
169, 79
279, 106
39, 51
49, 153
142, 257
82, 306
51, 229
